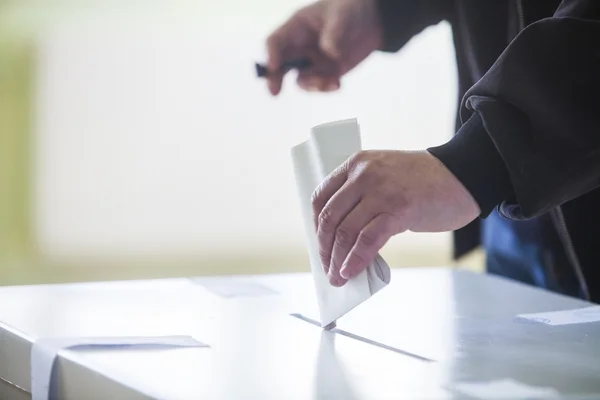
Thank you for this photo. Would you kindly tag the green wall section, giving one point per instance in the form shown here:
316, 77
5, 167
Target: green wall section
15, 129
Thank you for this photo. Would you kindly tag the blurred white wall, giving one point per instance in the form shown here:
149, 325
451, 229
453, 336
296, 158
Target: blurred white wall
153, 138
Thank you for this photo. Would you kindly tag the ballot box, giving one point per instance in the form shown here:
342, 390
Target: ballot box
433, 333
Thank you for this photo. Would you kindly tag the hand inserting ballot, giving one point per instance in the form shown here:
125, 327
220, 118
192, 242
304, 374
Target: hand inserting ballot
377, 194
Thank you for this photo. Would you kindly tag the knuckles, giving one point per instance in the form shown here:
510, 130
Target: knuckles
325, 221
373, 171
360, 158
355, 159
314, 198
376, 176
368, 239
365, 165
343, 238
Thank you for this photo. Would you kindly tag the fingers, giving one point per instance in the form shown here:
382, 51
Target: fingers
326, 218
323, 75
370, 240
315, 83
335, 211
345, 236
299, 38
332, 183
296, 39
275, 54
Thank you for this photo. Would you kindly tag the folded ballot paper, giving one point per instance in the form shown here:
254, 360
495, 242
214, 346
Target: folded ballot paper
328, 147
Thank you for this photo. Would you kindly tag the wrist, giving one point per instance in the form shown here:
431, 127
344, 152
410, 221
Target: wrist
472, 158
453, 189
371, 13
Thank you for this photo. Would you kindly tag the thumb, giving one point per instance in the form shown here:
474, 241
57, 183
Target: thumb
331, 40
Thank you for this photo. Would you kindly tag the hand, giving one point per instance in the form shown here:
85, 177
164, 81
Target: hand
375, 195
336, 35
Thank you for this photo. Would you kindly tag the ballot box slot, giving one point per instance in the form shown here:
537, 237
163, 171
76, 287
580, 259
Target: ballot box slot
362, 339
13, 386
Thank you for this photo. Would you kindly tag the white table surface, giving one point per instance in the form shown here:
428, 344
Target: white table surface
448, 326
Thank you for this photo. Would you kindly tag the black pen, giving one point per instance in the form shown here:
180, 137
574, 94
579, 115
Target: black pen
300, 63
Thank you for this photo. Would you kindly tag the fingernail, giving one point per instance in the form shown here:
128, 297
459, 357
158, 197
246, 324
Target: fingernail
345, 272
332, 87
333, 280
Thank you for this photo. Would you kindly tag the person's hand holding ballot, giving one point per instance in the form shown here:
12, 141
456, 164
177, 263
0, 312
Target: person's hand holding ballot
375, 195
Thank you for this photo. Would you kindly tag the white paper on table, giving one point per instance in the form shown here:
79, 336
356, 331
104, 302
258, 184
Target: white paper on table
565, 317
44, 352
504, 389
328, 147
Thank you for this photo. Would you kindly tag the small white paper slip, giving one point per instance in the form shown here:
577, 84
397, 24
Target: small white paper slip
44, 352
504, 389
328, 147
565, 317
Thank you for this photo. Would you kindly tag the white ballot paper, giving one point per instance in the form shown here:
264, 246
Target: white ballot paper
565, 317
44, 352
328, 147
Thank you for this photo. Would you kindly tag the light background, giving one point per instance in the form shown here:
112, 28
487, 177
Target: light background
136, 141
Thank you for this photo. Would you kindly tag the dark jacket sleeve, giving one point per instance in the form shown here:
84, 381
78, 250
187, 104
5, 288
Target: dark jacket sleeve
533, 137
403, 19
